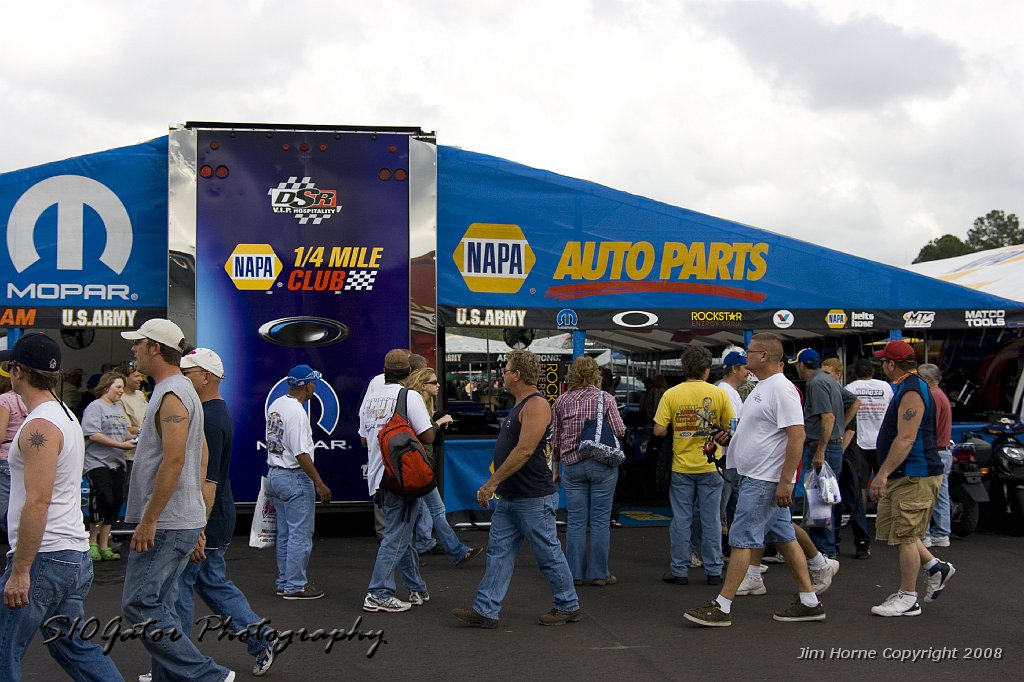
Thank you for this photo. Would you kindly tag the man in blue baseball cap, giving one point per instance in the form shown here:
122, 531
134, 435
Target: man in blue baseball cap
293, 483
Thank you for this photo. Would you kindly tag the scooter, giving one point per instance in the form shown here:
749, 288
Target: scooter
1006, 483
966, 489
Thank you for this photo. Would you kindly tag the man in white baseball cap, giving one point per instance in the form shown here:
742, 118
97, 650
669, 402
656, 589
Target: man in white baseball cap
160, 330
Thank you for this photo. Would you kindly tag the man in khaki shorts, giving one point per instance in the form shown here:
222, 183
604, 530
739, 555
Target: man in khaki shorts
908, 480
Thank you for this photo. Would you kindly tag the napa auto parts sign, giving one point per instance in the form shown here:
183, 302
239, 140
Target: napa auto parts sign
517, 239
85, 240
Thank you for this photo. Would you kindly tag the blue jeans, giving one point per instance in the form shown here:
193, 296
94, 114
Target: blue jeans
396, 548
294, 499
940, 525
824, 538
5, 492
151, 592
433, 516
516, 519
209, 578
60, 581
701, 493
589, 489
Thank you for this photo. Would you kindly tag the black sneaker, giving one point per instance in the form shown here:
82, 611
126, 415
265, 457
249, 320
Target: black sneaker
864, 552
675, 579
936, 578
473, 551
434, 551
798, 611
714, 580
307, 592
710, 615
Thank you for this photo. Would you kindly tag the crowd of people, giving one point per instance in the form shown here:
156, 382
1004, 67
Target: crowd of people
180, 501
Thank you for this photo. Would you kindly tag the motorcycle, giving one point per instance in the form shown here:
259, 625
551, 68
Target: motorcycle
1005, 466
966, 489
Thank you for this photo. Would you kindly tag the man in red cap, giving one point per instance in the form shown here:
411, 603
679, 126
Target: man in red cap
908, 480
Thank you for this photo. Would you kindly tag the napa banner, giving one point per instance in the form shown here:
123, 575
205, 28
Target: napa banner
84, 240
521, 247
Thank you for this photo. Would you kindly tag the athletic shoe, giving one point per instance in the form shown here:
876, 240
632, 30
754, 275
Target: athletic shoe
764, 568
387, 603
264, 661
798, 612
675, 579
937, 577
473, 551
436, 550
753, 585
935, 541
146, 677
556, 617
418, 598
230, 677
821, 578
710, 615
864, 552
601, 582
714, 580
308, 591
471, 617
896, 605
774, 559
695, 560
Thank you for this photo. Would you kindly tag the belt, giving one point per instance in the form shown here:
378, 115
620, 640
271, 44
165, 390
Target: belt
834, 440
274, 466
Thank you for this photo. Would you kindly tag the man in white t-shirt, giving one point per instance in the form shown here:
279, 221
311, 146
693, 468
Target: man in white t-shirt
736, 373
293, 482
874, 395
396, 546
48, 567
766, 451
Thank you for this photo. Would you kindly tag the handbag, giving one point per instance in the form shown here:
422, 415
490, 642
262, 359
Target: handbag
598, 441
263, 533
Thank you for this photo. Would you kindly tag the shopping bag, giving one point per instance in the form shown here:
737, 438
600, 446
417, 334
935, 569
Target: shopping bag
817, 512
828, 485
263, 533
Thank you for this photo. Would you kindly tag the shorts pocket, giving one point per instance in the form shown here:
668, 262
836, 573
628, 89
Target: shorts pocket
913, 518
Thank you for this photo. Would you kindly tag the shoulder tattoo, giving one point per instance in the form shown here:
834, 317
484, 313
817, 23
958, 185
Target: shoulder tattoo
36, 440
909, 414
173, 419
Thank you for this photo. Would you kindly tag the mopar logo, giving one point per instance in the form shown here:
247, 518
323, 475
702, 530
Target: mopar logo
330, 407
71, 194
567, 319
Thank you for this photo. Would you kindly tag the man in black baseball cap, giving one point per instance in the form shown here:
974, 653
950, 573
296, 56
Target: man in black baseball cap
44, 521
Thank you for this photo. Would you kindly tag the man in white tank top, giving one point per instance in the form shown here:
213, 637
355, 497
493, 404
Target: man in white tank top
48, 566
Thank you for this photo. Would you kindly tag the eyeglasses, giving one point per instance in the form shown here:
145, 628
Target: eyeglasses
506, 370
195, 371
763, 352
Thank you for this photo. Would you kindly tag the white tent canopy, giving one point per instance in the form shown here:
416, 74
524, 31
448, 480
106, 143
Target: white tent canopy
999, 272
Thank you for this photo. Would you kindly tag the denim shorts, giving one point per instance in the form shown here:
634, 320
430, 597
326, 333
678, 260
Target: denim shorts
758, 519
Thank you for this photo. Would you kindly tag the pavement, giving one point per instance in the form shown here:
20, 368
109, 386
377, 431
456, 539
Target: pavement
630, 631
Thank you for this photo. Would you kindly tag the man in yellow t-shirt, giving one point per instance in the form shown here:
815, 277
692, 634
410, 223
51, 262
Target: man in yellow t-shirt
692, 408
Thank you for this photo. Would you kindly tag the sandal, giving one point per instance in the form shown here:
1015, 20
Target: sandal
94, 551
109, 555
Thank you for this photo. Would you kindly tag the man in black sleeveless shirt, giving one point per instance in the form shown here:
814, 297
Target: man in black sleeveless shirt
525, 504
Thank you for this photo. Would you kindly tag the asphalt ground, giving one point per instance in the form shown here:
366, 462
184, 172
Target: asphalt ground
630, 631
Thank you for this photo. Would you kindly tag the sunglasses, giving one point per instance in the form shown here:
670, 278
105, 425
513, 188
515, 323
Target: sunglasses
435, 382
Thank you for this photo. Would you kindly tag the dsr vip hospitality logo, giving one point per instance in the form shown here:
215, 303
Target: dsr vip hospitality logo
304, 200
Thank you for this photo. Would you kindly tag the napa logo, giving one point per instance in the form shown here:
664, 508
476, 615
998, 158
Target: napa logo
253, 267
494, 258
835, 319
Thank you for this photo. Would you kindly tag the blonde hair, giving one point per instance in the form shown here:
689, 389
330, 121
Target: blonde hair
835, 365
584, 372
418, 382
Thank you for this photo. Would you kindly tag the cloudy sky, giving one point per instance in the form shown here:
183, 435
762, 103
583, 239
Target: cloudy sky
866, 126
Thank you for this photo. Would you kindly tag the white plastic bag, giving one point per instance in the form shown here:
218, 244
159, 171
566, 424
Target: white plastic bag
817, 512
828, 485
263, 533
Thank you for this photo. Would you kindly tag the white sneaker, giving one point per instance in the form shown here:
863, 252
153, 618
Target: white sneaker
764, 568
146, 677
388, 604
897, 605
695, 560
821, 578
936, 578
753, 585
418, 598
935, 541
